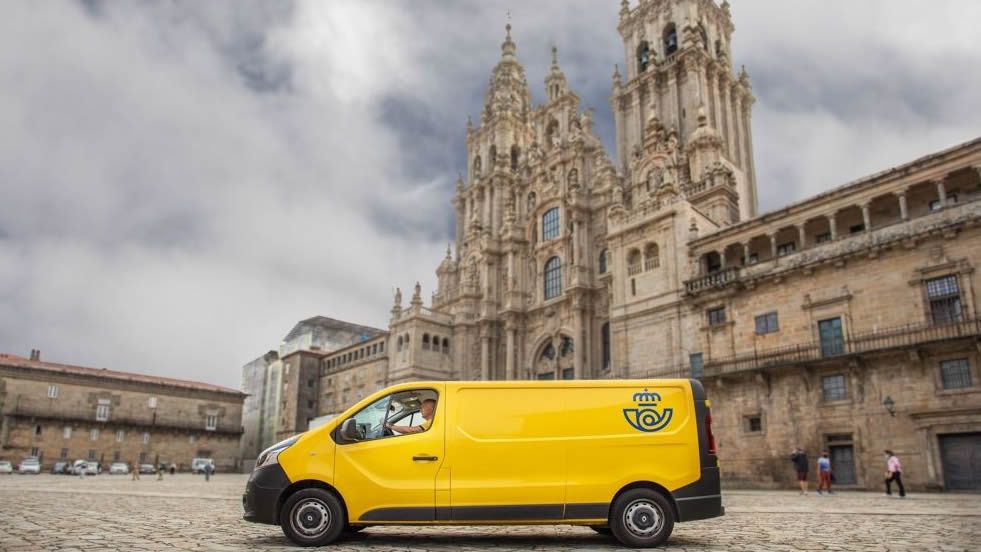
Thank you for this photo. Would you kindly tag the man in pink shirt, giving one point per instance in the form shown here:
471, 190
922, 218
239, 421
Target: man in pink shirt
894, 472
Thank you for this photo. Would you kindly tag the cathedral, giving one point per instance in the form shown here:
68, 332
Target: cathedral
844, 323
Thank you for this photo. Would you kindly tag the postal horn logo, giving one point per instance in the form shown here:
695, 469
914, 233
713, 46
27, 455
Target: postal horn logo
646, 417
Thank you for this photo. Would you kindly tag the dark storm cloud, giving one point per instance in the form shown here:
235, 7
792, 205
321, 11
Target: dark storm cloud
181, 181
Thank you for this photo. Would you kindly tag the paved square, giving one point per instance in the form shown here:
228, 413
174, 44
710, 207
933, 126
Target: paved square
39, 513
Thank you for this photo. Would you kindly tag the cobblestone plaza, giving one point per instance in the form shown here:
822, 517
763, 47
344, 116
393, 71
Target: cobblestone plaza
182, 512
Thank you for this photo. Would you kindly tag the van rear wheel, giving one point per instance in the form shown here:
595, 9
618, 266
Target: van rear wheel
642, 518
312, 517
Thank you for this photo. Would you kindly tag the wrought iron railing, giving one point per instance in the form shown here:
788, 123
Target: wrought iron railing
858, 343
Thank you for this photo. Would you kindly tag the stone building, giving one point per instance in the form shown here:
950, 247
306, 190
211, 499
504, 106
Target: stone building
843, 322
64, 412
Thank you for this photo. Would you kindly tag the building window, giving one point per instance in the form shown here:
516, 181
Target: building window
605, 340
146, 438
697, 364
643, 56
566, 347
857, 228
568, 373
425, 342
52, 391
91, 454
115, 456
35, 452
102, 413
151, 402
832, 337
717, 316
602, 261
825, 237
786, 249
944, 295
550, 224
142, 458
67, 432
955, 374
633, 287
753, 258
834, 388
120, 434
651, 258
211, 422
94, 434
546, 376
670, 39
37, 430
553, 278
548, 352
64, 453
446, 346
381, 347
754, 424
767, 323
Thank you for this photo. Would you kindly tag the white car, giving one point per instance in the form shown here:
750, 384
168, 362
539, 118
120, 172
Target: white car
198, 465
29, 465
91, 467
6, 467
118, 468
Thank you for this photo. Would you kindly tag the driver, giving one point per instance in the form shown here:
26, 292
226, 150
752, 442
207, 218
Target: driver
427, 408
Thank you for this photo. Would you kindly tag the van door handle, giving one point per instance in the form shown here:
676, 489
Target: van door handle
424, 458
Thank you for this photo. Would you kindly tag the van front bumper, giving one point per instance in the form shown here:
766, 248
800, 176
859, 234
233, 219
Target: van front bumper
262, 492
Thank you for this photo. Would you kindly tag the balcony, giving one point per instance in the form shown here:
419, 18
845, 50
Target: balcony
22, 407
902, 337
711, 281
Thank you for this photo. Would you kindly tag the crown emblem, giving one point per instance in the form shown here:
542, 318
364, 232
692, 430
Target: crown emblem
646, 417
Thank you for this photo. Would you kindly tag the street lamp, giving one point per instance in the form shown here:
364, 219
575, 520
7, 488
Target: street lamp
890, 405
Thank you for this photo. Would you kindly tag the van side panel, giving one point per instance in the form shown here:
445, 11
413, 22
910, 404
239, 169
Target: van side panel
626, 432
505, 447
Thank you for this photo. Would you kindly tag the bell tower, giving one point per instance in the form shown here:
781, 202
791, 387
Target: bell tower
682, 116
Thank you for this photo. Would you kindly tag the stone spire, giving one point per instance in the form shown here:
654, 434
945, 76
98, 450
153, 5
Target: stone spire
508, 89
555, 84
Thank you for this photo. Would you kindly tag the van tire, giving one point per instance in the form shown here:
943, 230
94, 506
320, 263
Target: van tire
642, 518
312, 517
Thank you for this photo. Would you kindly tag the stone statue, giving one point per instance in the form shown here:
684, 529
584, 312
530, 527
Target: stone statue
398, 296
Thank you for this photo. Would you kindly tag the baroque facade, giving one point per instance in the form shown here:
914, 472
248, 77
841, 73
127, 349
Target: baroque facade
843, 322
61, 412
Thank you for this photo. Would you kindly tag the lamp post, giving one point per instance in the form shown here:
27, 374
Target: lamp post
890, 405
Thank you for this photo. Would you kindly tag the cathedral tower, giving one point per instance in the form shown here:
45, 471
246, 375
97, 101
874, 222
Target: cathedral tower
681, 115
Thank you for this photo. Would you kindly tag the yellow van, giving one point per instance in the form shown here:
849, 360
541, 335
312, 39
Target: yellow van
625, 457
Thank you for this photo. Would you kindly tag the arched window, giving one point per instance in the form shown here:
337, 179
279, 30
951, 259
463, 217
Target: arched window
643, 56
566, 348
651, 259
476, 166
670, 39
425, 342
550, 224
548, 353
602, 261
553, 278
398, 344
446, 346
515, 155
605, 341
634, 265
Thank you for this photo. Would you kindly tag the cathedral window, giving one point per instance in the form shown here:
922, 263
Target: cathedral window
553, 278
634, 265
651, 258
492, 158
643, 56
605, 342
548, 353
550, 224
425, 342
476, 166
398, 344
515, 156
603, 261
566, 348
446, 346
670, 39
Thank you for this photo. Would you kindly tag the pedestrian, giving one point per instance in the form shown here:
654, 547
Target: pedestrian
824, 473
173, 469
160, 472
208, 469
81, 470
799, 458
894, 472
136, 472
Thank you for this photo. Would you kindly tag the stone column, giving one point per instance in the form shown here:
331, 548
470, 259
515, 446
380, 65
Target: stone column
498, 207
903, 212
509, 362
942, 191
745, 245
722, 259
738, 108
709, 101
578, 346
727, 114
461, 222
802, 235
485, 203
866, 217
484, 357
833, 226
773, 244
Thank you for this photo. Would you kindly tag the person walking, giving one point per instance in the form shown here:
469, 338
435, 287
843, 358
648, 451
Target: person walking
799, 459
824, 473
160, 472
173, 469
81, 470
894, 472
136, 472
208, 470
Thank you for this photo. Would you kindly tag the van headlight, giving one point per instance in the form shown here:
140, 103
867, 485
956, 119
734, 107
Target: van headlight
271, 455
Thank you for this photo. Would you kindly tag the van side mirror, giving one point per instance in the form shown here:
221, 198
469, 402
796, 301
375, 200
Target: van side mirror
349, 430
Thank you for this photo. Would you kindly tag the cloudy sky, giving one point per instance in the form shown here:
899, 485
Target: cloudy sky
181, 181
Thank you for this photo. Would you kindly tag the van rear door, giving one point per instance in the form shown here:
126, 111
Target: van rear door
703, 498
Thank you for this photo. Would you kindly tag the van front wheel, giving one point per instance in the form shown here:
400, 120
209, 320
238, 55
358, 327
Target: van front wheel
642, 518
312, 517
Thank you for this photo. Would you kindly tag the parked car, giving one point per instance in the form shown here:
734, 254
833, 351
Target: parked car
61, 467
198, 465
146, 468
6, 467
29, 465
91, 467
118, 468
